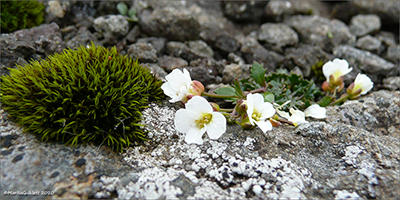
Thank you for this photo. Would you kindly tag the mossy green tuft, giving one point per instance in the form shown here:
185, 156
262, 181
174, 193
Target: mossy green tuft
91, 94
16, 15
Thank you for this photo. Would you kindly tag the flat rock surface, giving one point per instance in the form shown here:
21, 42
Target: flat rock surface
353, 153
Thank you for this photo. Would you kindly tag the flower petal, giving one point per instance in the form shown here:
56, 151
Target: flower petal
264, 125
267, 110
184, 120
198, 104
315, 111
177, 79
217, 126
364, 83
194, 135
283, 114
297, 116
337, 67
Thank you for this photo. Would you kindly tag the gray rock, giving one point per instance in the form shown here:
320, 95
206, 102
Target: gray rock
253, 51
179, 49
304, 57
157, 43
279, 10
369, 63
388, 11
243, 11
321, 31
233, 71
387, 38
177, 24
155, 69
369, 43
277, 36
392, 83
216, 66
83, 37
393, 54
361, 25
226, 44
233, 58
133, 34
111, 25
206, 70
143, 52
354, 152
169, 63
201, 48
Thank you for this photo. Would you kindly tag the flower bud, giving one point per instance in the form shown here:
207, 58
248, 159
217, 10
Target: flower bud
196, 88
326, 87
341, 87
241, 106
275, 123
354, 93
215, 106
245, 122
339, 81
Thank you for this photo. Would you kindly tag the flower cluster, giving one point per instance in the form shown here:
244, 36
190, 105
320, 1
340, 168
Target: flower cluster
255, 106
334, 72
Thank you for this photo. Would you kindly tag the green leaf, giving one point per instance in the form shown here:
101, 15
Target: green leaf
122, 8
238, 89
325, 101
258, 73
225, 91
269, 97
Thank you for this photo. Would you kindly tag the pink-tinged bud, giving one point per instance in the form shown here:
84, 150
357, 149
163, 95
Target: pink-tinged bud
353, 93
241, 106
326, 87
196, 88
341, 87
215, 106
274, 122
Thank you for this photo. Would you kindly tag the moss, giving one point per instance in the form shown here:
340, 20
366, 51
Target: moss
16, 15
79, 96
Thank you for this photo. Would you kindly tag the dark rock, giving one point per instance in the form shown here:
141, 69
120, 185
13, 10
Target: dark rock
172, 23
305, 56
6, 152
277, 36
226, 44
369, 63
143, 52
6, 143
84, 37
386, 38
55, 174
214, 65
392, 83
361, 25
133, 34
277, 10
12, 51
253, 51
157, 43
243, 11
205, 71
179, 49
169, 63
321, 31
80, 162
369, 43
18, 158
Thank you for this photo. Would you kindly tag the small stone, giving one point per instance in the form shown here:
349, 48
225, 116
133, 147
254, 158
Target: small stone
54, 174
6, 144
111, 24
169, 63
392, 83
21, 148
233, 71
80, 162
277, 35
56, 9
7, 152
257, 190
18, 158
143, 52
361, 25
369, 43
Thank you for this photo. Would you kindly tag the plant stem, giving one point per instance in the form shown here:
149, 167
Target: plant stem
341, 99
226, 109
219, 96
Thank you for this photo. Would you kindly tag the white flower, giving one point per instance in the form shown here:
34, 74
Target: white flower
364, 83
315, 111
297, 117
179, 85
258, 111
336, 68
197, 118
